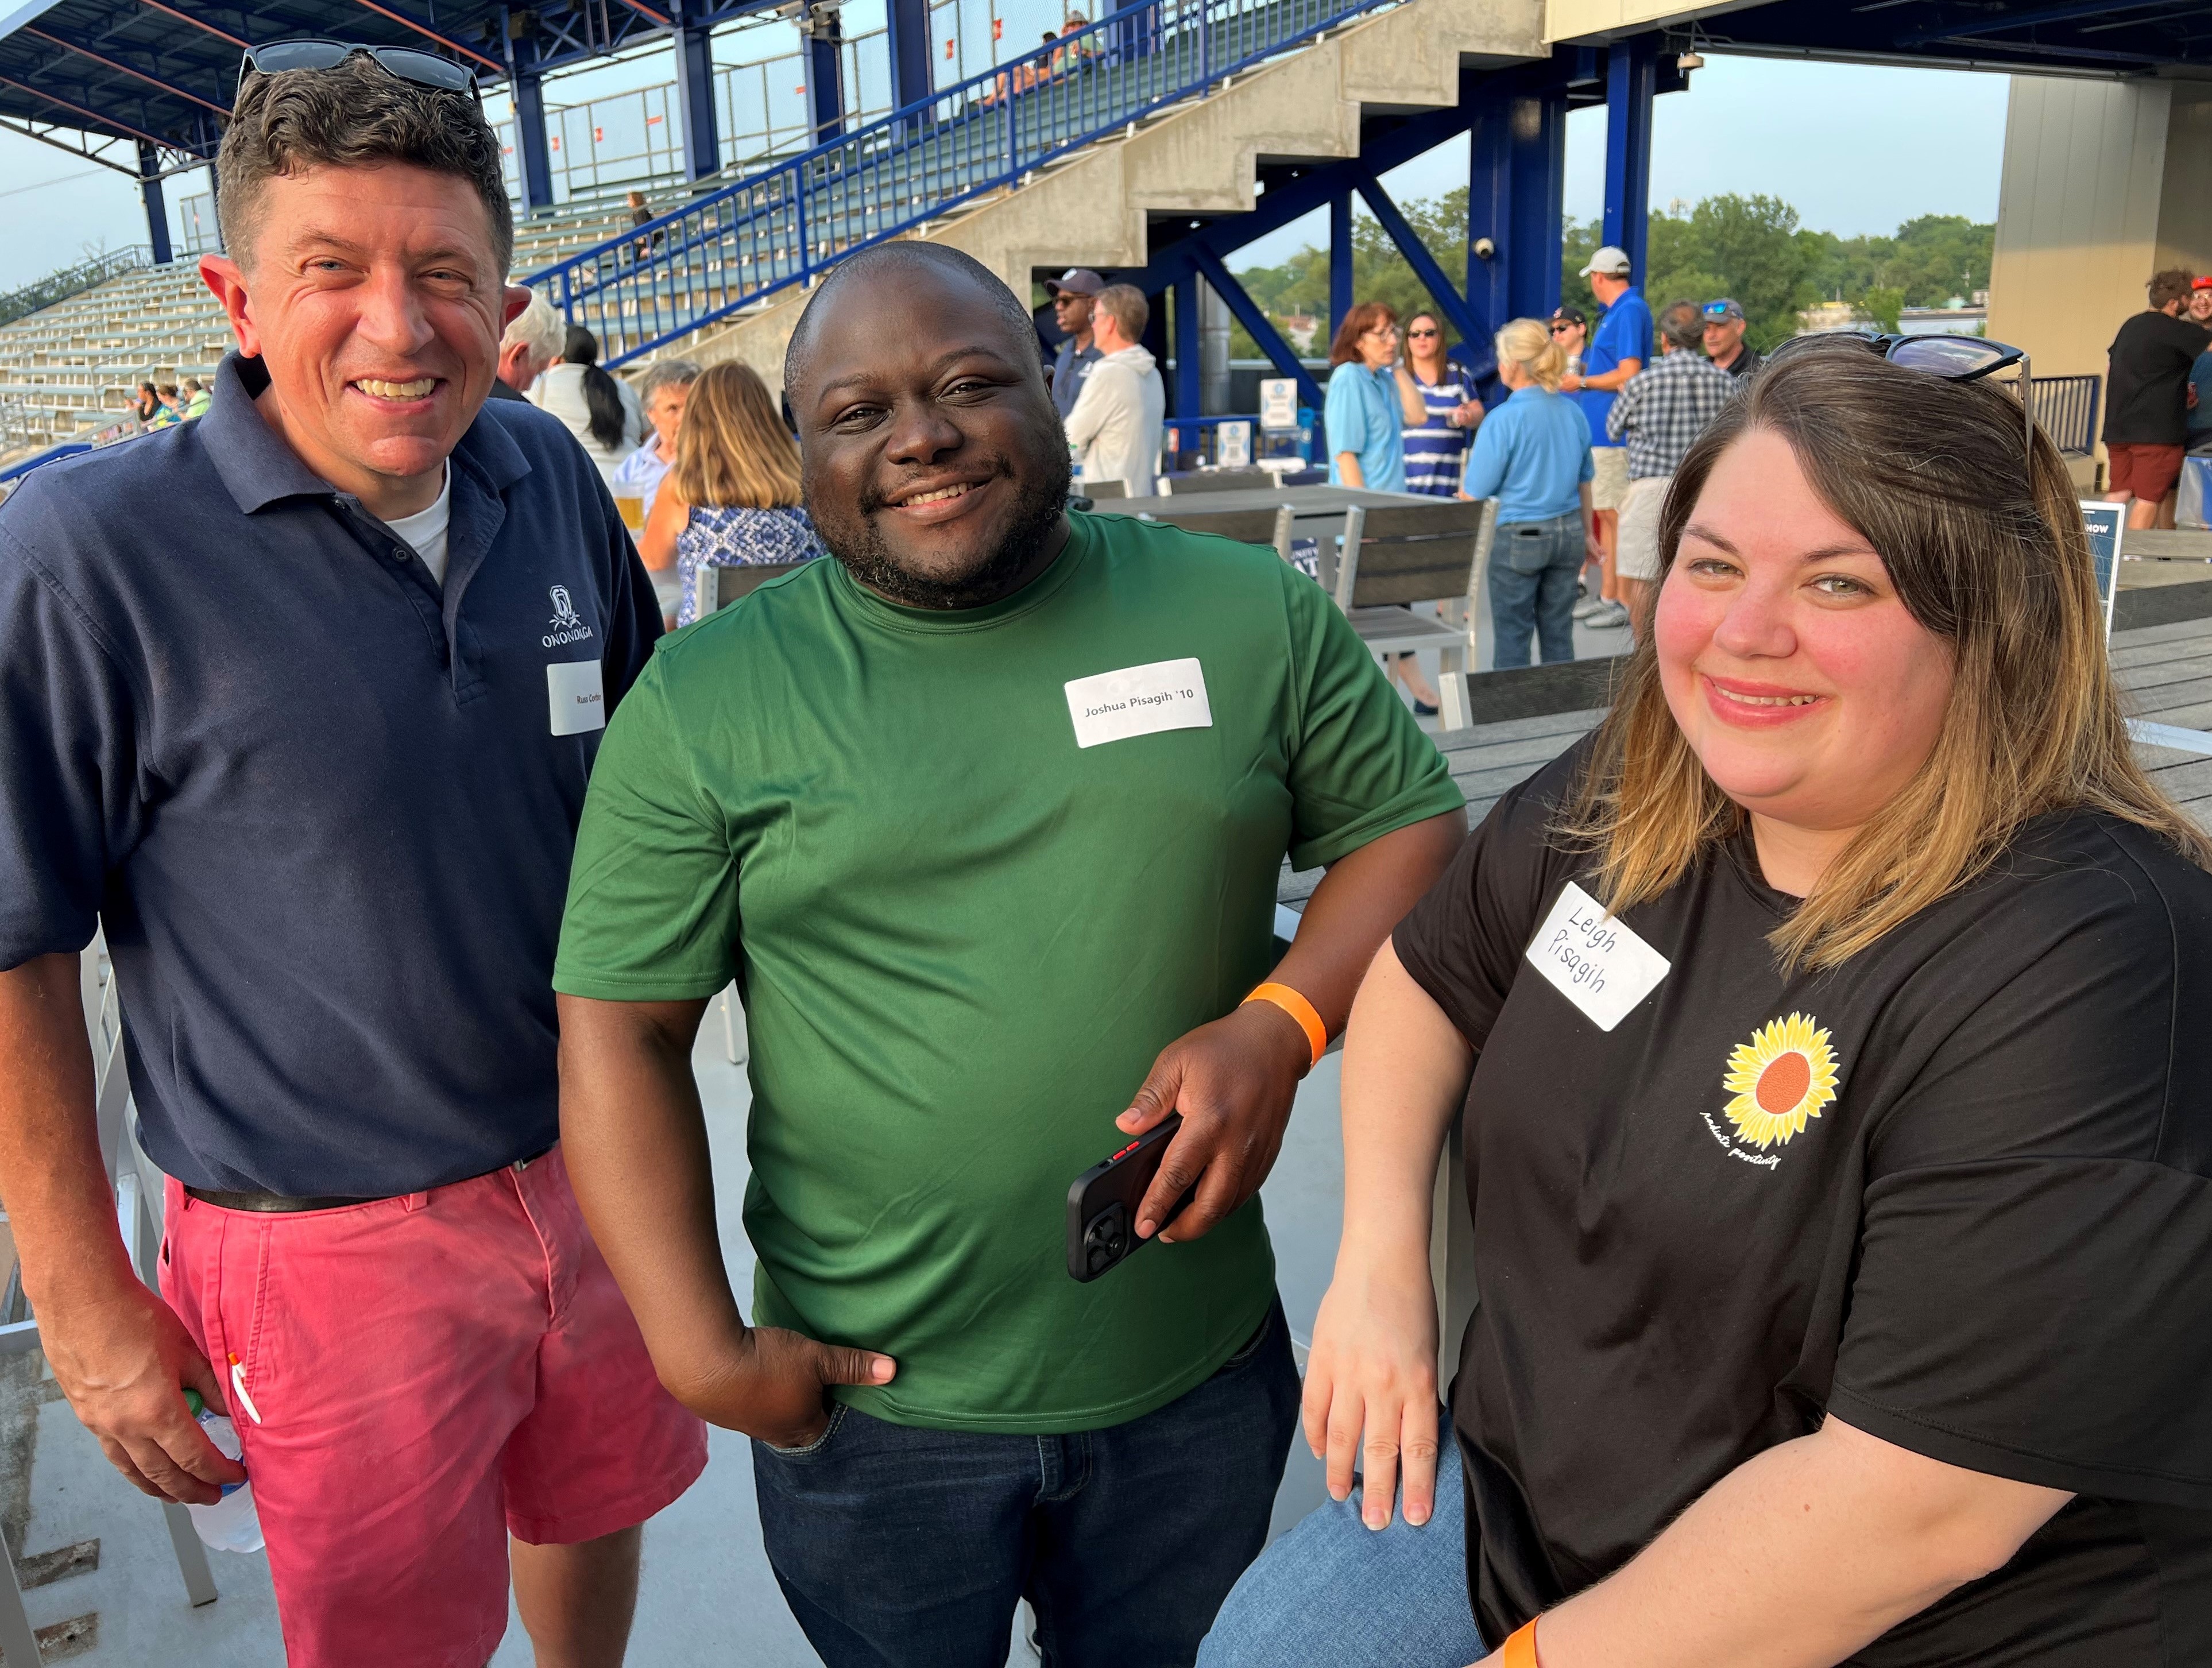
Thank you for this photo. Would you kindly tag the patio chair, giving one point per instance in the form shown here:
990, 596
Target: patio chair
1271, 528
1391, 558
137, 1190
1219, 480
718, 587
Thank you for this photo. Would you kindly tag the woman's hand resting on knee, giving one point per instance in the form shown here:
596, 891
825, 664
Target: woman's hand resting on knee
1370, 1394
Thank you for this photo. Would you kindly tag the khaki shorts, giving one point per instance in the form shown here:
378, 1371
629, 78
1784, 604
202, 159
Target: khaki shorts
1610, 485
1637, 554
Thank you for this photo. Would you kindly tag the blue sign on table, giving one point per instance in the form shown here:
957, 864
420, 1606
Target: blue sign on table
2105, 522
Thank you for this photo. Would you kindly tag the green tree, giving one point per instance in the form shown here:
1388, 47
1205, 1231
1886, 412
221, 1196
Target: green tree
1882, 304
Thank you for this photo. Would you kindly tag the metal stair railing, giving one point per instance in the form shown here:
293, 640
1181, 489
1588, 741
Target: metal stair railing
71, 280
785, 225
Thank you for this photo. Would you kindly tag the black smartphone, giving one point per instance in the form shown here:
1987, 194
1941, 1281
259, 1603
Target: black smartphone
1101, 1205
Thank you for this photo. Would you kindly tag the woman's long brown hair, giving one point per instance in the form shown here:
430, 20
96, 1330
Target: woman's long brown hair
732, 451
1984, 539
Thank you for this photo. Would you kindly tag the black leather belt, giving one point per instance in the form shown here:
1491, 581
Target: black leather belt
283, 1203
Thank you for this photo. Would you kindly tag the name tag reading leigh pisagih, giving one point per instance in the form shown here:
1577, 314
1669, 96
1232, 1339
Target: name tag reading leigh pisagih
1596, 960
577, 699
1138, 700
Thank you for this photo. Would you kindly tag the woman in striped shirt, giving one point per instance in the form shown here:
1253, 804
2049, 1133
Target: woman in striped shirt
1435, 452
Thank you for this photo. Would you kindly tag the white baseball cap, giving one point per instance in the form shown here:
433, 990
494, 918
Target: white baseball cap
1611, 262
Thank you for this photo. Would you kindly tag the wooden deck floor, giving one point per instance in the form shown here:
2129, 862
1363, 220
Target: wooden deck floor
2165, 670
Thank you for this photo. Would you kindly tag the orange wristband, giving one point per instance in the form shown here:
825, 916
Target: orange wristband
1291, 1002
1520, 1651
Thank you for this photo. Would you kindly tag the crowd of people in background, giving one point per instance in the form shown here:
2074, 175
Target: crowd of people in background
2158, 373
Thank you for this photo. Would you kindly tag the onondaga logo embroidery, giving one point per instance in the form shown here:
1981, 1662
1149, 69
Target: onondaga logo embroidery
1780, 1081
568, 625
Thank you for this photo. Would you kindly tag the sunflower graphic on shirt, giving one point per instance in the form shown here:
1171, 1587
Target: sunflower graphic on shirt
1780, 1080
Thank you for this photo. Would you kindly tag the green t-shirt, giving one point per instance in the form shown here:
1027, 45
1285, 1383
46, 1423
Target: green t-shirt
963, 939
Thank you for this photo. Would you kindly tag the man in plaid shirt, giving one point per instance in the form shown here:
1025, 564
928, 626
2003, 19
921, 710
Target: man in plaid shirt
1658, 414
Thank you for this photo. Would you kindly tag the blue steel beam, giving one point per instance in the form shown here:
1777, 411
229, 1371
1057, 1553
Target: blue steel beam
1631, 80
1426, 267
157, 211
694, 97
825, 91
1188, 400
1279, 352
1515, 189
1340, 298
906, 23
121, 68
537, 158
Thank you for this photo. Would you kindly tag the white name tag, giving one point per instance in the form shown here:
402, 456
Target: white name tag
1138, 700
578, 702
1596, 961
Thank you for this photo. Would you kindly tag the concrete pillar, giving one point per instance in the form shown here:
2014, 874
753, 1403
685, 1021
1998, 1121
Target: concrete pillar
157, 210
694, 97
1632, 76
2104, 183
1213, 351
529, 141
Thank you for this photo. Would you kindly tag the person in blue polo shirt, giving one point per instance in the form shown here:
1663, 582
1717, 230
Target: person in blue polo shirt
1371, 402
1618, 348
316, 774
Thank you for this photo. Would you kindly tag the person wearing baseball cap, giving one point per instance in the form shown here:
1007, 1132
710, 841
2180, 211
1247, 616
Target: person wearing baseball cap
1724, 342
1620, 347
1073, 293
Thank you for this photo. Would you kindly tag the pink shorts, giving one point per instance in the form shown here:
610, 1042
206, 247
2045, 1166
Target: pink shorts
432, 1372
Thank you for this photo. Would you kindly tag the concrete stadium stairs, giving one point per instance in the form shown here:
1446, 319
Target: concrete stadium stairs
1095, 207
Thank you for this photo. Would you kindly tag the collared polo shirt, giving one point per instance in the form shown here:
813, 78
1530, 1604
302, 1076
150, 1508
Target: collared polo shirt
1071, 369
1363, 417
322, 804
1532, 454
1624, 332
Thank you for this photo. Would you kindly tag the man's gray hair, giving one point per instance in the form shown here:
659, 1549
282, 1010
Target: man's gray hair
1683, 325
540, 329
666, 373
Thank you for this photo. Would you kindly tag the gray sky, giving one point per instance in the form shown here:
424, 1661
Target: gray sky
1856, 149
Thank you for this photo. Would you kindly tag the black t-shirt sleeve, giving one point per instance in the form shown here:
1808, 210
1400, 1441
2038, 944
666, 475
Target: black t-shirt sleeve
2033, 1298
1462, 942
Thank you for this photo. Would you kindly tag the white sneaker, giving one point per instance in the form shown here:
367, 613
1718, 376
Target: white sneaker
1587, 606
1606, 617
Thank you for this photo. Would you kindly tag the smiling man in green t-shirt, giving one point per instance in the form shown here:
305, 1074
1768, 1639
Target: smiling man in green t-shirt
985, 816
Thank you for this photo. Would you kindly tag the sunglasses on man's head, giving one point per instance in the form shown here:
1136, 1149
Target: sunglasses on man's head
422, 69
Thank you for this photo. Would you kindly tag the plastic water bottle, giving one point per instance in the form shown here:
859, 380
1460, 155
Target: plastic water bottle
231, 1525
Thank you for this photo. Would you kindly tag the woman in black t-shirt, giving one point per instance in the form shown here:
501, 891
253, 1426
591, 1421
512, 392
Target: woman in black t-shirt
1837, 1149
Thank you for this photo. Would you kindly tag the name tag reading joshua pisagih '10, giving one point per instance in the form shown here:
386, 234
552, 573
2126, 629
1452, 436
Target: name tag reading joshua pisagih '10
1138, 700
1596, 960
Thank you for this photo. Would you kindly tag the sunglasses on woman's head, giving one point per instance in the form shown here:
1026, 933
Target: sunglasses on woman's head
422, 69
1954, 358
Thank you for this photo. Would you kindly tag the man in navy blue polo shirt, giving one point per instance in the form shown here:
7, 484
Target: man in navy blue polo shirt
315, 766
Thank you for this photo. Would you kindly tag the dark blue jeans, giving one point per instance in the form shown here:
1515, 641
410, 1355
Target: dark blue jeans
902, 1548
1533, 565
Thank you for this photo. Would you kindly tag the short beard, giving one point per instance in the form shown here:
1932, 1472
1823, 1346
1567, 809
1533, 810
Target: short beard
1036, 510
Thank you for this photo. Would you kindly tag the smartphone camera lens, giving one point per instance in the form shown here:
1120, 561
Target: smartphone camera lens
1106, 1238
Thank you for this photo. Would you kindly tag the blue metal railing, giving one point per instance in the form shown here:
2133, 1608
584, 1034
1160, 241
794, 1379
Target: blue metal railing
788, 223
